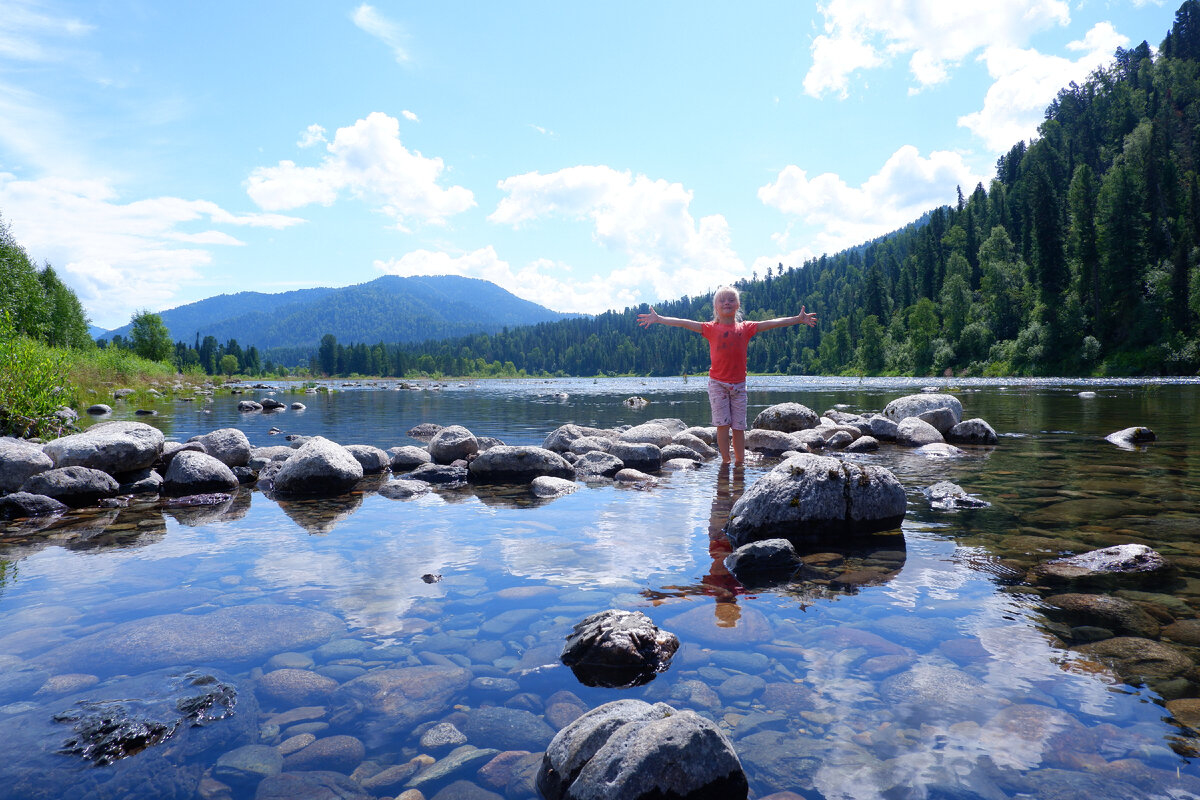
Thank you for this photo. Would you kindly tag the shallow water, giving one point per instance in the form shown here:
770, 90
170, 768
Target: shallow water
923, 666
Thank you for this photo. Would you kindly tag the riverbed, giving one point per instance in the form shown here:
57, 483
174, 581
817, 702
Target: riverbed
928, 667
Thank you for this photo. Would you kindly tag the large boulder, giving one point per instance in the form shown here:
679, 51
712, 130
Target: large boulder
914, 405
1120, 565
399, 699
763, 562
18, 460
112, 447
320, 467
916, 432
644, 456
1122, 617
947, 496
595, 463
559, 440
74, 486
786, 417
518, 464
408, 457
769, 442
618, 648
1129, 438
197, 473
972, 431
372, 459
810, 497
655, 432
228, 445
637, 751
21, 505
452, 443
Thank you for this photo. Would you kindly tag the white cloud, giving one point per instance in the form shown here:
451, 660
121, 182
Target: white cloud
904, 188
313, 134
544, 281
369, 161
648, 221
936, 35
1026, 81
411, 116
390, 33
25, 29
118, 256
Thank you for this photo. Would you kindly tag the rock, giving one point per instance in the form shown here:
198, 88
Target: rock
882, 428
654, 433
74, 486
439, 474
695, 443
310, 785
679, 451
1126, 564
916, 432
19, 505
1139, 660
763, 562
399, 699
634, 476
588, 444
559, 440
932, 692
768, 442
452, 443
172, 449
708, 435
142, 481
507, 729
863, 444
271, 404
425, 431
914, 405
947, 496
197, 473
248, 633
112, 447
408, 457
635, 751
679, 464
597, 463
618, 648
1184, 631
18, 461
1118, 615
404, 489
517, 464
246, 766
942, 419
296, 687
441, 736
1129, 438
645, 457
840, 440
261, 456
972, 431
228, 445
549, 488
809, 497
786, 417
99, 409
939, 450
320, 467
809, 441
635, 402
333, 753
372, 459
298, 406
249, 406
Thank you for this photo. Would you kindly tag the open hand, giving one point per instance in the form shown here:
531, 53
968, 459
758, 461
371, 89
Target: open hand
646, 320
807, 319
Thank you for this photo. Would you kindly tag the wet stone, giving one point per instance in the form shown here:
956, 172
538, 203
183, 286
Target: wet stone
334, 753
441, 736
507, 728
248, 765
741, 687
494, 685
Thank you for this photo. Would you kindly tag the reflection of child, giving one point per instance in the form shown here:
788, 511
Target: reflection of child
728, 337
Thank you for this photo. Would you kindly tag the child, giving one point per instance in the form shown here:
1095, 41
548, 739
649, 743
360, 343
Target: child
728, 336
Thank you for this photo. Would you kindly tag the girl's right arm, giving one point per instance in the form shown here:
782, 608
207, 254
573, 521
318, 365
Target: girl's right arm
646, 320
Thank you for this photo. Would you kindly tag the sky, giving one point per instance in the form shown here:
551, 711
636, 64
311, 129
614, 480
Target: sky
583, 156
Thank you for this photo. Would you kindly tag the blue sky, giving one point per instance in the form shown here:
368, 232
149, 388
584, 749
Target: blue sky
583, 156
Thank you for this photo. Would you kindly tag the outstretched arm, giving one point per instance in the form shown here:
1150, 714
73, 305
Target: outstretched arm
803, 318
646, 320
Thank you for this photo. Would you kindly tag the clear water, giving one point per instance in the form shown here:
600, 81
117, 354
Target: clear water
922, 668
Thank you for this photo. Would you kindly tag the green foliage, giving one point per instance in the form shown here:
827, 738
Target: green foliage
150, 339
33, 384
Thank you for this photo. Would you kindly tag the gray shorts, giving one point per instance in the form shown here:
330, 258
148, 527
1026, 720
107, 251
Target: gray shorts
728, 401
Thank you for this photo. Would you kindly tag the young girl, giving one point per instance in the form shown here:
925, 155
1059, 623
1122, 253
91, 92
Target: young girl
728, 337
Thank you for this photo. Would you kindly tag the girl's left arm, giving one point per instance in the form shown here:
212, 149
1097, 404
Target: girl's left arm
803, 318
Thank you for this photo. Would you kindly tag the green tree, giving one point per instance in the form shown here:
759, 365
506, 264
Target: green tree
149, 338
327, 354
229, 364
869, 355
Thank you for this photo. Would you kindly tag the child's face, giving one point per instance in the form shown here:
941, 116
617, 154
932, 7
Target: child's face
726, 304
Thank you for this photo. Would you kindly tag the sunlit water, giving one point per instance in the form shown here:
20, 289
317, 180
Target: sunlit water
923, 667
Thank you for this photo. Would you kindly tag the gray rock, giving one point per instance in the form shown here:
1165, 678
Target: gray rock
810, 497
320, 467
635, 751
679, 451
916, 432
939, 450
112, 447
400, 699
19, 505
708, 435
786, 417
465, 759
1124, 564
654, 433
246, 766
933, 691
249, 406
1139, 660
310, 785
228, 445
947, 496
19, 460
1117, 614
840, 440
271, 404
679, 464
261, 456
333, 753
442, 736
74, 486
769, 442
142, 481
882, 428
764, 561
404, 489
704, 448
863, 444
296, 687
1129, 438
597, 463
439, 474
298, 406
452, 443
198, 473
972, 431
548, 487
507, 729
408, 457
99, 409
425, 431
588, 444
943, 419
809, 441
635, 476
618, 648
372, 459
914, 405
517, 464
644, 456
559, 440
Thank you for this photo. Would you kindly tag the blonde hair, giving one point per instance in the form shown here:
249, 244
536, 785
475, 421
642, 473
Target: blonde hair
737, 296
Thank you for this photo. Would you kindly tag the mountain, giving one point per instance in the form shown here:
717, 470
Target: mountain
387, 309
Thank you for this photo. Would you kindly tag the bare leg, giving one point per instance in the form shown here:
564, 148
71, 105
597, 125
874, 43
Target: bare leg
739, 447
723, 442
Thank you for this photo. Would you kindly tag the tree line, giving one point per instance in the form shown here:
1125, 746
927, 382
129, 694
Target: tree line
35, 301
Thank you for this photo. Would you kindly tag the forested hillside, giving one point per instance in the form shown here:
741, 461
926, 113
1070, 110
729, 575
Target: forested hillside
34, 302
1080, 258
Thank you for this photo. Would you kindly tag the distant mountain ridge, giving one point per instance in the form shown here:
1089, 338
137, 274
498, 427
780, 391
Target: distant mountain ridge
388, 309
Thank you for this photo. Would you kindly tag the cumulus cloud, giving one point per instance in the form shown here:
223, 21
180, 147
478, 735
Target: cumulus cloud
936, 35
385, 30
648, 222
543, 281
313, 134
904, 188
411, 116
1026, 81
367, 160
119, 256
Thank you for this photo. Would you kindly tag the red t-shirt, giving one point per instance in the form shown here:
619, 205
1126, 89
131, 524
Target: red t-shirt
727, 349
